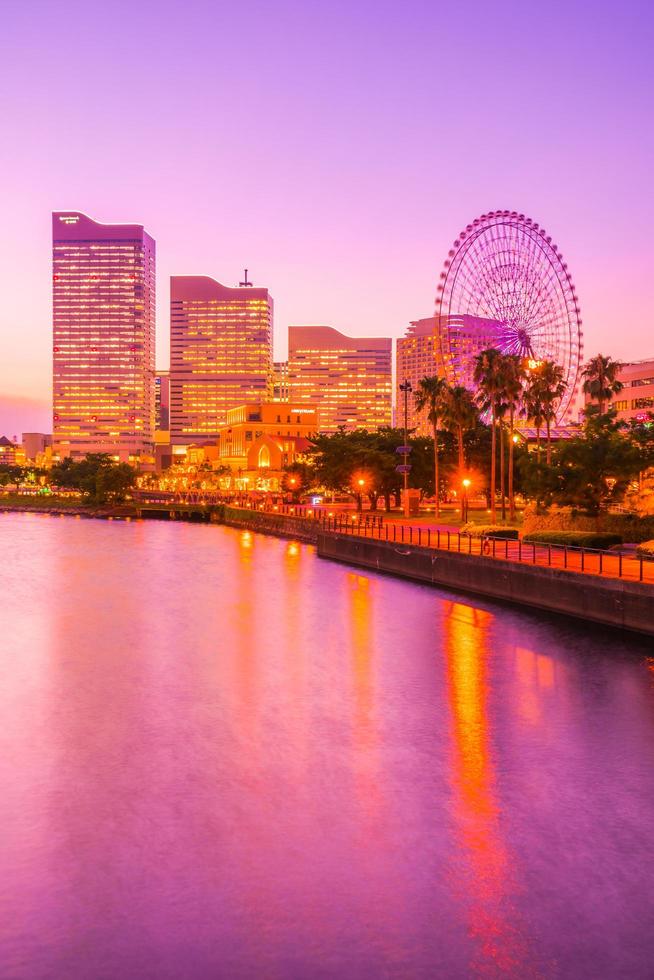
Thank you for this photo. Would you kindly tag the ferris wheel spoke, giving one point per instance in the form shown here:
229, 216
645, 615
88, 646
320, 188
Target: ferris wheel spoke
505, 285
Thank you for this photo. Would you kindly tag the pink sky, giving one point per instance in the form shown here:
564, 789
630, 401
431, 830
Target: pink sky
336, 150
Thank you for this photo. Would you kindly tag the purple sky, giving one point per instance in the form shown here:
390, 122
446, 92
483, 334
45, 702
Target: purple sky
336, 149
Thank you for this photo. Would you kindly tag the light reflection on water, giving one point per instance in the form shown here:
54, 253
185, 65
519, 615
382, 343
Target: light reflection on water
222, 757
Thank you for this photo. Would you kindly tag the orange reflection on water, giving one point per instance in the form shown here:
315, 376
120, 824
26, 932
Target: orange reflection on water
487, 888
365, 735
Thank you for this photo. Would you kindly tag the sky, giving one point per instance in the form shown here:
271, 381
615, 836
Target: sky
335, 148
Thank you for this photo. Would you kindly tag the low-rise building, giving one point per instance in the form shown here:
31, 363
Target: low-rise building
259, 440
11, 454
636, 400
35, 445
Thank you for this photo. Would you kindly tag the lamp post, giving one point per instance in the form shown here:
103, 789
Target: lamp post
464, 508
405, 388
361, 484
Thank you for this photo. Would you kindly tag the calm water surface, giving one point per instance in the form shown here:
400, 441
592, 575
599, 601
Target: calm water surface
223, 757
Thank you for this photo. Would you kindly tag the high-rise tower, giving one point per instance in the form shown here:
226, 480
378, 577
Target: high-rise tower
349, 379
104, 337
220, 354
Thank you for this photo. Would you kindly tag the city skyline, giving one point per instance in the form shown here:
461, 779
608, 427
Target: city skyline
354, 239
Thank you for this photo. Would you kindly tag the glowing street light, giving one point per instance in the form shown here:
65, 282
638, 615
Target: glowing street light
464, 499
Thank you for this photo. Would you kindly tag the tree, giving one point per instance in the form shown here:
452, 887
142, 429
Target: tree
514, 375
597, 467
11, 474
490, 383
552, 386
429, 398
97, 476
601, 382
459, 415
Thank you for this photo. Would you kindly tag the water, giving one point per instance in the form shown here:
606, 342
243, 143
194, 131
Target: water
223, 757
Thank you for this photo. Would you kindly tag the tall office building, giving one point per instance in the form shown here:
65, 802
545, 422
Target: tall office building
220, 354
162, 401
417, 357
349, 379
104, 336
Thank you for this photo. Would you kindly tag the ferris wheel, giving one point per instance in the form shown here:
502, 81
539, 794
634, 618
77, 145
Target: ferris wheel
505, 285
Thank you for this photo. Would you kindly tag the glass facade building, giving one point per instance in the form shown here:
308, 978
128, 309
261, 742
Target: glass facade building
220, 354
103, 337
348, 379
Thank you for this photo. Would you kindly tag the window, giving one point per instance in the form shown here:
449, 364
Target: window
621, 406
264, 457
643, 403
248, 436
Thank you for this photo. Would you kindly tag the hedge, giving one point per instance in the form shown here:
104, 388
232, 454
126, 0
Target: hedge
646, 550
490, 531
629, 526
574, 539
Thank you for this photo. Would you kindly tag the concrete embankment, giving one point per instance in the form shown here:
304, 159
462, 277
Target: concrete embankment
266, 523
612, 602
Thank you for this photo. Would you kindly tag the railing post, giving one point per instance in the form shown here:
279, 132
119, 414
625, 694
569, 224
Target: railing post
620, 565
534, 556
640, 577
410, 535
429, 537
519, 549
403, 533
438, 537
582, 560
600, 562
565, 556
459, 541
549, 554
448, 540
470, 544
494, 546
419, 536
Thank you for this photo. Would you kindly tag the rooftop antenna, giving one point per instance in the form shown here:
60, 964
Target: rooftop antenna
247, 282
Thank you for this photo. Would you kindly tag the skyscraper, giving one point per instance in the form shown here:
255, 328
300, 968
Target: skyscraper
104, 337
162, 401
349, 379
220, 354
417, 357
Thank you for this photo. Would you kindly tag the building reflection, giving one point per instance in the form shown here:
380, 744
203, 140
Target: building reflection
487, 886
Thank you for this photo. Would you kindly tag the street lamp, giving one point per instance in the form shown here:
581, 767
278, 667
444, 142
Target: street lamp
464, 508
405, 388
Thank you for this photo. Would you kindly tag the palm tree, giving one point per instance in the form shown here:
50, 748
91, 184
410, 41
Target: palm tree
429, 397
532, 405
489, 381
459, 415
552, 386
514, 376
601, 382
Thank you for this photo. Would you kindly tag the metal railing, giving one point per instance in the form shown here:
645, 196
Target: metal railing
591, 561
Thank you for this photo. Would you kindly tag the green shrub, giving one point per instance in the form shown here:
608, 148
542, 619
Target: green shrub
629, 526
574, 539
490, 531
646, 550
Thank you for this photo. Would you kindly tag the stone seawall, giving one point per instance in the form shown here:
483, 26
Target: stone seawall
613, 602
266, 523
